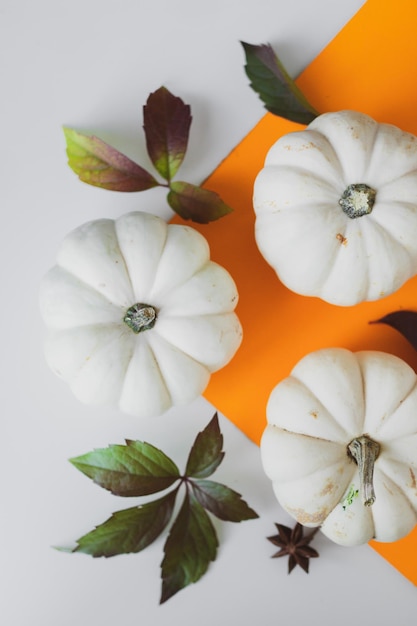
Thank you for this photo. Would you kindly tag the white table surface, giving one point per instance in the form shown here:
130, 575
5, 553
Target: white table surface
91, 64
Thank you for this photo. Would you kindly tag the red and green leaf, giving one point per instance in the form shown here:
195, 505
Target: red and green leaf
135, 469
222, 501
206, 453
97, 163
191, 546
130, 530
166, 122
195, 203
274, 86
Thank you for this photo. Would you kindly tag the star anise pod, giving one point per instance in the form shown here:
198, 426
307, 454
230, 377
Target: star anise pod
294, 544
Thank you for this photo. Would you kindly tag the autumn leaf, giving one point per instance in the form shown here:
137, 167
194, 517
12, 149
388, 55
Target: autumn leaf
136, 469
206, 453
403, 321
139, 468
190, 547
195, 203
100, 165
275, 87
166, 122
129, 530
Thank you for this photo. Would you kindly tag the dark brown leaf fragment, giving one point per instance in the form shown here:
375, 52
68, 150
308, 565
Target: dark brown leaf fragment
403, 321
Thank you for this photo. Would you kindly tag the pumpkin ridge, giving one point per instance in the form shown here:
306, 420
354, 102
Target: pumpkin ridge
159, 369
126, 269
392, 238
77, 381
387, 240
392, 414
72, 291
96, 245
100, 345
340, 489
145, 220
155, 292
210, 287
325, 184
346, 434
328, 287
345, 123
373, 152
384, 462
399, 489
313, 137
336, 166
139, 343
302, 434
201, 369
380, 154
92, 288
221, 359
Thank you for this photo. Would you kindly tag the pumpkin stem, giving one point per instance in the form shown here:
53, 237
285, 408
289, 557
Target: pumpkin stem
140, 317
357, 200
364, 452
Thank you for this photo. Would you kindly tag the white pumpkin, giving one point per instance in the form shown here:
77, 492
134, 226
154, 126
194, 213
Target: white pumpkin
340, 446
336, 208
139, 314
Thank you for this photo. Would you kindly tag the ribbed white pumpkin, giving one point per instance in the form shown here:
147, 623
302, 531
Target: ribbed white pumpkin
333, 403
113, 354
336, 208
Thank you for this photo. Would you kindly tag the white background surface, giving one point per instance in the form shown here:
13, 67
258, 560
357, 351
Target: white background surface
91, 64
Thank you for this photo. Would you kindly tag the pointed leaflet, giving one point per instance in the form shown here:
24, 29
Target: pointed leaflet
136, 469
166, 122
98, 164
191, 546
222, 501
206, 454
195, 203
274, 86
130, 530
403, 321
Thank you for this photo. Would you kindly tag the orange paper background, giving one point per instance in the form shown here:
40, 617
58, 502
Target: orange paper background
370, 67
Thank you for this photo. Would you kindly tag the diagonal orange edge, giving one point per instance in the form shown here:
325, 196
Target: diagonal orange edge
369, 67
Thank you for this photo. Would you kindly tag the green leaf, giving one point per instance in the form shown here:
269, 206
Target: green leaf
134, 469
403, 321
195, 203
191, 546
206, 453
130, 530
98, 164
222, 501
139, 468
274, 86
167, 121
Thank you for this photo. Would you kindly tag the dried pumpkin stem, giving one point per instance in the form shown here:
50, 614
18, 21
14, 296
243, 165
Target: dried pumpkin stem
364, 452
357, 200
140, 317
